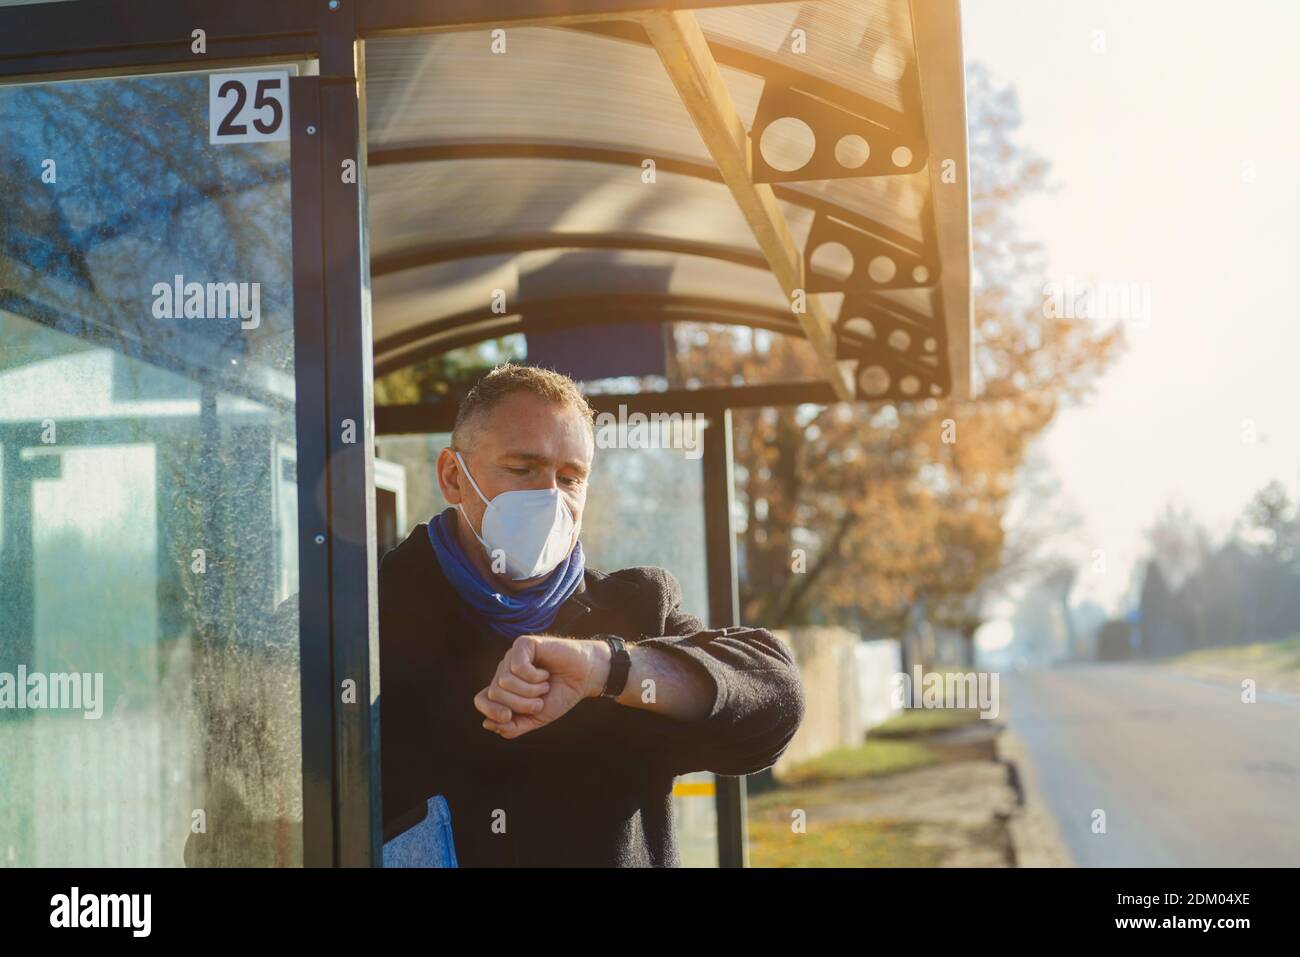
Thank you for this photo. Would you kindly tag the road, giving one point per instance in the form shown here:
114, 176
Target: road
1186, 773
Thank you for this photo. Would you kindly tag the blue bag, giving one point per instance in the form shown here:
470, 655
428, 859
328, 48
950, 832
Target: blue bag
428, 844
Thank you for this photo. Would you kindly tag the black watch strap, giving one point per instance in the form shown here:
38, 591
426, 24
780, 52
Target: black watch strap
620, 663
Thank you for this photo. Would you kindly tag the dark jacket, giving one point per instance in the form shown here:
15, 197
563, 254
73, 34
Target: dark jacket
593, 788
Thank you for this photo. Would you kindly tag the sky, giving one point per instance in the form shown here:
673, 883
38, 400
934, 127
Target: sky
1173, 136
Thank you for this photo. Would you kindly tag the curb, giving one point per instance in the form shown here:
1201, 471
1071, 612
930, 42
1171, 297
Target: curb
1036, 839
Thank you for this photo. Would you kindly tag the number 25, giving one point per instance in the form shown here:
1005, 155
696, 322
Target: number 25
261, 101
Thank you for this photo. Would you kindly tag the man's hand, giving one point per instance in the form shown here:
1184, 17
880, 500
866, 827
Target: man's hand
539, 680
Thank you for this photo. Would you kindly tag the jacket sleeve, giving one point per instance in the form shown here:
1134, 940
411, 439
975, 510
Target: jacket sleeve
758, 694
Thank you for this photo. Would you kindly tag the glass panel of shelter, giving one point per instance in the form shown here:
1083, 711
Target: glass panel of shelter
148, 509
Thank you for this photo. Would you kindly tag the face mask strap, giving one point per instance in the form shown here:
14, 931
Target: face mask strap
470, 525
461, 508
465, 469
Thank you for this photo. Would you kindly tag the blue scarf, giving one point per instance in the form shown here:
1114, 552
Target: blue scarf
527, 612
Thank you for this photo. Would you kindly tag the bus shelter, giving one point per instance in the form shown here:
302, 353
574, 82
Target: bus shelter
226, 227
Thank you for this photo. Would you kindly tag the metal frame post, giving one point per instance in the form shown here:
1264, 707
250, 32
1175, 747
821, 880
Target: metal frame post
318, 841
724, 611
354, 587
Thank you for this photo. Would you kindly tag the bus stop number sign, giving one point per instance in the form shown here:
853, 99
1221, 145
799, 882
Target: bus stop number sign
248, 108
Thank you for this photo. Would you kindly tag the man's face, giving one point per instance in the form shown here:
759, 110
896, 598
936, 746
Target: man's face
525, 442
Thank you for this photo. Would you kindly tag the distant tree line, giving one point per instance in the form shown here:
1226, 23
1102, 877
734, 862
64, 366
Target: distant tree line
1195, 596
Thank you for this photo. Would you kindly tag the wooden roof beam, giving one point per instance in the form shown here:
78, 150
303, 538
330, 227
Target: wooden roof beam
685, 53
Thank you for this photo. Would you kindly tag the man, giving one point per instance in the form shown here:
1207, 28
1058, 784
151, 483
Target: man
551, 704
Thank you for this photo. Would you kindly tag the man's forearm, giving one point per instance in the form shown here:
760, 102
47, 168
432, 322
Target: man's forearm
657, 681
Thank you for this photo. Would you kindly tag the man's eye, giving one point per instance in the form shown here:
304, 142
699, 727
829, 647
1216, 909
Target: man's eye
575, 482
518, 470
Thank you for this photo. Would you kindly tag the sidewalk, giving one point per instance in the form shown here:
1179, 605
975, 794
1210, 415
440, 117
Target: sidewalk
947, 797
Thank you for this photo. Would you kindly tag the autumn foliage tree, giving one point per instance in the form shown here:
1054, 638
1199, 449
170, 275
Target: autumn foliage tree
859, 514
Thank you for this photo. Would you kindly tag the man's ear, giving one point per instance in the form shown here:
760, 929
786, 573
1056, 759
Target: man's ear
449, 477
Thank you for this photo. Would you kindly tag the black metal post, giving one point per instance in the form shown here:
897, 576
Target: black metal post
315, 657
349, 350
724, 611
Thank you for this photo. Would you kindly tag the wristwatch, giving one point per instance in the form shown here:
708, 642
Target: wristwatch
620, 662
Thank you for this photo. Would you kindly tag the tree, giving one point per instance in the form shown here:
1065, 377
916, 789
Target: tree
898, 505
1271, 524
1178, 544
1165, 621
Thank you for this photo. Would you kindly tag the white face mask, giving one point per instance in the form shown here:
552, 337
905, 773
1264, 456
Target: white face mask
531, 527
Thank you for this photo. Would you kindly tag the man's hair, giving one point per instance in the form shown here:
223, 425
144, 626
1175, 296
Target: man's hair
509, 378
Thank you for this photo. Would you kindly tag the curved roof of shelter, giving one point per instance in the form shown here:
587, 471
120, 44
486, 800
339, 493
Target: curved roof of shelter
524, 172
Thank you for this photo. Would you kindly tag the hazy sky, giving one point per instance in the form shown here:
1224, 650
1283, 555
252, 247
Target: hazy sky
1175, 155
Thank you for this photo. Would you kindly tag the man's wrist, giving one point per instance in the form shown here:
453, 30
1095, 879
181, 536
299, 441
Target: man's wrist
598, 676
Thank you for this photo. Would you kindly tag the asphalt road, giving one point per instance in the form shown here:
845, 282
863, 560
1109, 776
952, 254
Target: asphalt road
1187, 774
